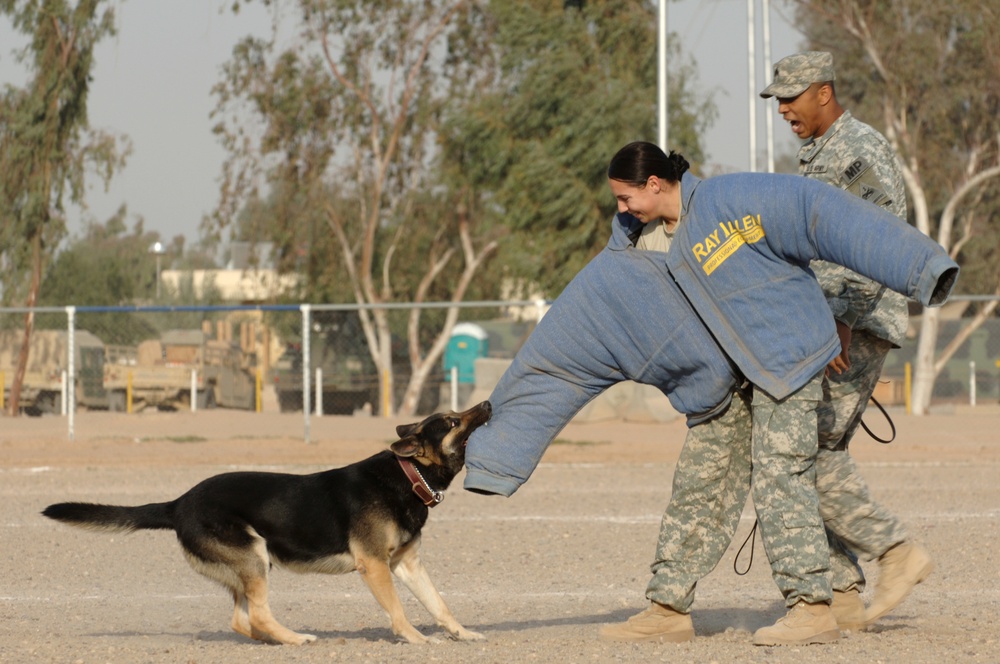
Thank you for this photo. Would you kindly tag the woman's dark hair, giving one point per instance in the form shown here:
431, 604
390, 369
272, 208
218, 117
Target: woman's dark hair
635, 162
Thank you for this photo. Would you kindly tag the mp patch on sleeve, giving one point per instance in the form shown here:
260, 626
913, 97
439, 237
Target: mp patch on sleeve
859, 179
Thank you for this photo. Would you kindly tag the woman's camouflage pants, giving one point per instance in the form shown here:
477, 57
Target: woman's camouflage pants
710, 489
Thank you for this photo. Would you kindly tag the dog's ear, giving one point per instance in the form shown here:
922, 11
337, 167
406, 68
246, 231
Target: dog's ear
404, 430
406, 447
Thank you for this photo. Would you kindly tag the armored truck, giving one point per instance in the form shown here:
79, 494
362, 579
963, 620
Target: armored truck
48, 359
350, 380
158, 373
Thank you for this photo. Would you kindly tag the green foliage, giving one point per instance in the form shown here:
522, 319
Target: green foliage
343, 124
513, 123
111, 265
46, 146
303, 244
388, 149
926, 73
108, 265
574, 85
935, 60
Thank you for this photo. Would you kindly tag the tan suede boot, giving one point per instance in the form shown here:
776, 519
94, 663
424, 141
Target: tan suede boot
802, 625
899, 570
657, 623
848, 610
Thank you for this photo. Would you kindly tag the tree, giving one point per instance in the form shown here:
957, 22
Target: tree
574, 85
108, 265
928, 74
421, 134
45, 143
425, 132
347, 119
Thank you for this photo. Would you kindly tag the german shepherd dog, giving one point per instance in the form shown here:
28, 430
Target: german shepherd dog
364, 517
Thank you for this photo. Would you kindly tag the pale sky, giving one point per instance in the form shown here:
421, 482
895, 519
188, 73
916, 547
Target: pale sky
153, 80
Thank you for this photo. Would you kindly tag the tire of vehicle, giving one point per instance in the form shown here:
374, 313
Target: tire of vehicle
116, 402
206, 399
289, 401
49, 402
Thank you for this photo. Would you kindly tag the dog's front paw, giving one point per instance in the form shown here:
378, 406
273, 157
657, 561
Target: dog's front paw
299, 639
413, 636
285, 637
467, 635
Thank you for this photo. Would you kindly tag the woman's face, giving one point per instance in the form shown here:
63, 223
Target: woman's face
641, 202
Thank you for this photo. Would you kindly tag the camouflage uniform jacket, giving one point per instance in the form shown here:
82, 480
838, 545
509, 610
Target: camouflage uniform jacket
855, 157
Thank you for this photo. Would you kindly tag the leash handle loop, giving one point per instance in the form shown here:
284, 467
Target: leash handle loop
751, 539
888, 419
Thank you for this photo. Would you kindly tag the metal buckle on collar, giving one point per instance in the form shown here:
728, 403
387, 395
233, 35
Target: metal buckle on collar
429, 496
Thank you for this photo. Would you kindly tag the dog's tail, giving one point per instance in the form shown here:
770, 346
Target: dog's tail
115, 518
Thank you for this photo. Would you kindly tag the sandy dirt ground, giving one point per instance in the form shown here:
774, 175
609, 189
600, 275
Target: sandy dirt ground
537, 573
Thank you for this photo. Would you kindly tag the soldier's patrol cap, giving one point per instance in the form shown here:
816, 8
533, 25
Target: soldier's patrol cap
794, 74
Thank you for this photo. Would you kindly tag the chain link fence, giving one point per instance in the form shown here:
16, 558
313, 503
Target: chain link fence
308, 359
315, 359
970, 376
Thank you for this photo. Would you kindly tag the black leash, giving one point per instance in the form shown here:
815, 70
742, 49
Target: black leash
751, 538
887, 419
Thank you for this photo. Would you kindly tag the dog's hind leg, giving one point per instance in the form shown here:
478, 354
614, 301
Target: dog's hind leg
253, 568
241, 615
263, 625
243, 568
378, 578
406, 565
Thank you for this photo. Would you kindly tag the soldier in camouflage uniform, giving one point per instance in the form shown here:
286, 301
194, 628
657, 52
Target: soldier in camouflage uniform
847, 153
739, 242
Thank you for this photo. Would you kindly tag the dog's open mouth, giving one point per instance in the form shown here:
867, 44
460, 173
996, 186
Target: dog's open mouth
474, 418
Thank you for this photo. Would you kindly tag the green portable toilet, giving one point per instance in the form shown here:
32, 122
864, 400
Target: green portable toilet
468, 341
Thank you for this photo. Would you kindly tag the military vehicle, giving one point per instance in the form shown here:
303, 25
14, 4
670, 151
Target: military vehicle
158, 373
42, 387
349, 377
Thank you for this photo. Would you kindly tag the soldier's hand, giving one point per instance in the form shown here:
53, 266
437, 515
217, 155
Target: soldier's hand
842, 362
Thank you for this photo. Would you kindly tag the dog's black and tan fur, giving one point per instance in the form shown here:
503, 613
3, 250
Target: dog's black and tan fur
364, 517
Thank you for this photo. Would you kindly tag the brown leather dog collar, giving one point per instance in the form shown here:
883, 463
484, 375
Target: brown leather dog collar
420, 486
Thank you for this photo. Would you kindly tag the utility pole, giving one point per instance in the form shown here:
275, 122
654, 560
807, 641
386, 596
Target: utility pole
662, 94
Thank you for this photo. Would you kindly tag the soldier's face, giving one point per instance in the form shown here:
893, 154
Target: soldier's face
656, 199
802, 113
640, 202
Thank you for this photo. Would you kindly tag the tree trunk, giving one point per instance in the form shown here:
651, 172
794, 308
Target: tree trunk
924, 372
383, 362
29, 324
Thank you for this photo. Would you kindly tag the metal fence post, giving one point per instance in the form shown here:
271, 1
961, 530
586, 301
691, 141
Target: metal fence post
972, 383
194, 390
319, 391
306, 366
71, 366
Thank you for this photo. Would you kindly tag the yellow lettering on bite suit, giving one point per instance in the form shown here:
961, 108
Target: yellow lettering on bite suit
714, 251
